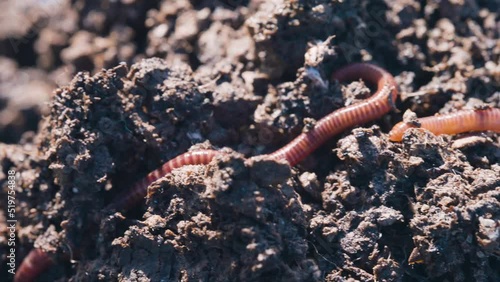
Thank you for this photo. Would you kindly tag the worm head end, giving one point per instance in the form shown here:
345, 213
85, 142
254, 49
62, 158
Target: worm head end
396, 133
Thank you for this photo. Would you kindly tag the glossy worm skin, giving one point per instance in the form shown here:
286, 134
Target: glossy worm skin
299, 148
454, 123
36, 262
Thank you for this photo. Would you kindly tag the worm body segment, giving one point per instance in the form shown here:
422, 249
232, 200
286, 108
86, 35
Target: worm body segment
338, 121
454, 123
35, 263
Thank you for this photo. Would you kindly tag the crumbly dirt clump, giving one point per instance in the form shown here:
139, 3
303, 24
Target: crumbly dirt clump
247, 77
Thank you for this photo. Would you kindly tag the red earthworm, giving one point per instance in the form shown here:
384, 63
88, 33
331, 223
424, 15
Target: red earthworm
454, 123
304, 144
36, 262
295, 151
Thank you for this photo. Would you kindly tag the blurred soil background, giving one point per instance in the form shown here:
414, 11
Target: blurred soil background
95, 94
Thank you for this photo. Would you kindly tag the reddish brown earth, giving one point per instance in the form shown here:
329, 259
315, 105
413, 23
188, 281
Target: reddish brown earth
248, 76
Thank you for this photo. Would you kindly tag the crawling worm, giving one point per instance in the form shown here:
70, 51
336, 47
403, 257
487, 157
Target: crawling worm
299, 148
454, 123
336, 122
304, 144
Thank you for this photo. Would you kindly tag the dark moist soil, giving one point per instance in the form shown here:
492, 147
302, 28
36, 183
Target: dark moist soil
247, 76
